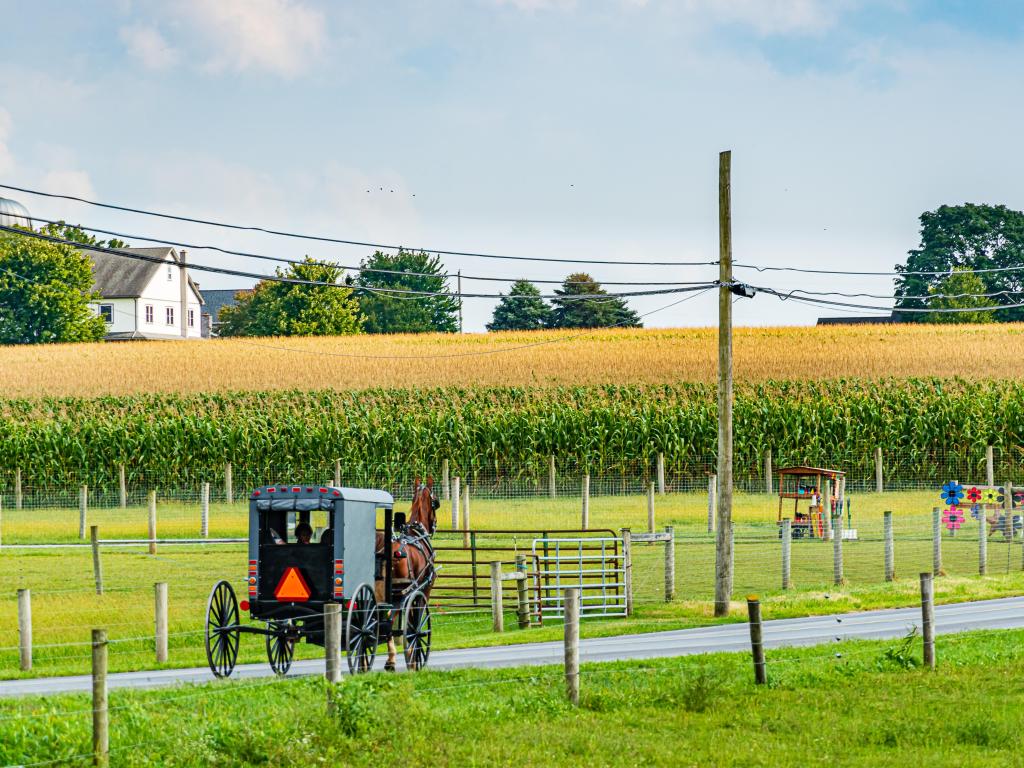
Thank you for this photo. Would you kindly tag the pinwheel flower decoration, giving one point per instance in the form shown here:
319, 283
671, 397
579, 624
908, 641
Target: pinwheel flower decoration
988, 496
953, 518
952, 493
974, 495
976, 512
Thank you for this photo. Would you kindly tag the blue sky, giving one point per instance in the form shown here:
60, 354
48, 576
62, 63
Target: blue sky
586, 129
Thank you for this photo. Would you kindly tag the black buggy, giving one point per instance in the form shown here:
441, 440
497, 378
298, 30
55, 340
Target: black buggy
290, 582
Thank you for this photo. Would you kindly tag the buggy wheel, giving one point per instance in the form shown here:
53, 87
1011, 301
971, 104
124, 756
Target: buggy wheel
222, 632
280, 647
361, 625
416, 630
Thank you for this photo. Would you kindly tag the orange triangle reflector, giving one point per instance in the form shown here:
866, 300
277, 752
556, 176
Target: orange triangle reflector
292, 588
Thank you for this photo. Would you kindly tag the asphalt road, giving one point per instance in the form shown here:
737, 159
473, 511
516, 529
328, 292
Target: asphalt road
1007, 613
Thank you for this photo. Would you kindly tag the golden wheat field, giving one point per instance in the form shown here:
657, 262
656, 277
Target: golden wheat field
541, 358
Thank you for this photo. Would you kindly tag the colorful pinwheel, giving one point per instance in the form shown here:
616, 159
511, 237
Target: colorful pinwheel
988, 496
1000, 495
1018, 497
953, 518
973, 494
952, 493
976, 512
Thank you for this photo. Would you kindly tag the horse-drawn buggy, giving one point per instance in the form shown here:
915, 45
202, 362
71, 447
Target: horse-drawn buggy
310, 546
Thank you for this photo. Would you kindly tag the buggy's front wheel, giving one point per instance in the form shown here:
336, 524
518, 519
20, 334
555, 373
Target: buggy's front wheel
280, 646
361, 625
222, 629
416, 630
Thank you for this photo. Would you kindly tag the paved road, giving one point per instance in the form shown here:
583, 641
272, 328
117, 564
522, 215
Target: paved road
1006, 613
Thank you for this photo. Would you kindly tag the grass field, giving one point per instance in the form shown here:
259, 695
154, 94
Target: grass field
848, 704
654, 356
65, 605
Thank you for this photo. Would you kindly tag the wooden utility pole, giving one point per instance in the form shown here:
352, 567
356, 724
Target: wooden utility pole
460, 300
723, 542
184, 293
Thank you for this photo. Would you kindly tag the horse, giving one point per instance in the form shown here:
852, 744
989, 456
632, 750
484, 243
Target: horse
411, 556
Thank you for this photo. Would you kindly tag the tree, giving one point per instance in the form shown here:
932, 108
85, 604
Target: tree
521, 314
45, 290
579, 306
964, 237
78, 235
949, 295
275, 308
405, 313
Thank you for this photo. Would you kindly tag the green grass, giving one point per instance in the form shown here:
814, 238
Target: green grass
848, 704
65, 606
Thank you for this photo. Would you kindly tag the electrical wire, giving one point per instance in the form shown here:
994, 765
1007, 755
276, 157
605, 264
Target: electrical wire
807, 270
942, 310
342, 241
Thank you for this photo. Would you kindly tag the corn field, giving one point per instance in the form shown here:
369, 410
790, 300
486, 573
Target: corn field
607, 431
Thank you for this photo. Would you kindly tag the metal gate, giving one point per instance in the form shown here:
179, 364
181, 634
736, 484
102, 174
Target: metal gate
593, 564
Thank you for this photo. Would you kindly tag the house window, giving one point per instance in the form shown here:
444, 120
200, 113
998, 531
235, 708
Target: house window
149, 313
170, 273
170, 315
107, 313
191, 318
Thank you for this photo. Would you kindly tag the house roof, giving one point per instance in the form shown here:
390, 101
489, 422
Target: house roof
217, 299
119, 277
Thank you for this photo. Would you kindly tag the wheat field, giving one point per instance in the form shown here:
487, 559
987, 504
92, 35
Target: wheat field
545, 358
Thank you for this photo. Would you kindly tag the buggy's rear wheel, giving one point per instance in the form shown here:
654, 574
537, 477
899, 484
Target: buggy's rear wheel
280, 646
416, 630
361, 624
222, 632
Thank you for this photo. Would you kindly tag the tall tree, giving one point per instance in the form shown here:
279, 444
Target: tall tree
77, 234
405, 313
45, 290
522, 310
966, 237
580, 305
295, 309
960, 291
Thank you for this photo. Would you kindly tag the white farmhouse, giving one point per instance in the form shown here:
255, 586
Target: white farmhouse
143, 299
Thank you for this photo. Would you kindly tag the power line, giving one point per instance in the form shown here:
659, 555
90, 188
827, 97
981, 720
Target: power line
286, 260
940, 310
354, 288
927, 297
944, 273
341, 241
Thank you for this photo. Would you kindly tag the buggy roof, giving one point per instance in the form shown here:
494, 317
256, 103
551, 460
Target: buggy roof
372, 495
801, 470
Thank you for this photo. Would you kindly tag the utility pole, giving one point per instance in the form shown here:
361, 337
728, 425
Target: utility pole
184, 293
460, 299
723, 542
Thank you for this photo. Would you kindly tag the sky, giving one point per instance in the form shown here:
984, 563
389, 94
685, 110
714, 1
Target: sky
586, 129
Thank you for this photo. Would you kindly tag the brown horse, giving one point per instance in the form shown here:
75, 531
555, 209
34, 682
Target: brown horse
412, 556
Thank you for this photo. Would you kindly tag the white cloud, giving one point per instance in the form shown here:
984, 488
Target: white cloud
769, 17
148, 46
66, 182
6, 160
280, 36
537, 5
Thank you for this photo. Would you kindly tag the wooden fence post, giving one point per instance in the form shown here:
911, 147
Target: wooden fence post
497, 609
585, 522
879, 484
446, 489
990, 466
160, 593
83, 510
712, 501
204, 511
152, 522
100, 722
456, 494
650, 507
982, 545
768, 471
837, 552
928, 619
332, 643
627, 568
756, 644
552, 478
229, 491
465, 516
661, 474
18, 496
787, 546
122, 486
936, 541
1007, 513
670, 564
337, 473
890, 565
826, 508
97, 568
25, 628
572, 644
522, 592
